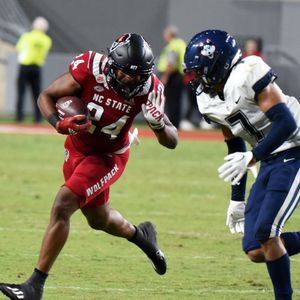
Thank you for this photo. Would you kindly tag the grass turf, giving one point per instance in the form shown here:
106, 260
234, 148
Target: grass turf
178, 190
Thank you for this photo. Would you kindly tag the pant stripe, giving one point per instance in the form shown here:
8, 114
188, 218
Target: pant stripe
288, 207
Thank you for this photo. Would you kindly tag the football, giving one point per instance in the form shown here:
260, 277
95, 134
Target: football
70, 106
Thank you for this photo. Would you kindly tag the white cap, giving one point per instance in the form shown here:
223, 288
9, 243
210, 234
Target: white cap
41, 24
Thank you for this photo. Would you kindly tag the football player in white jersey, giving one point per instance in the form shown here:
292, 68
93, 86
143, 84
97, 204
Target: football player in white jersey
241, 95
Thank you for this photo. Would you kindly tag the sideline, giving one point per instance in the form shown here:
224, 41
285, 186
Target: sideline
10, 128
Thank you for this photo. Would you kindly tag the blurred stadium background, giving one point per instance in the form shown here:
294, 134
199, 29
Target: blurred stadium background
76, 27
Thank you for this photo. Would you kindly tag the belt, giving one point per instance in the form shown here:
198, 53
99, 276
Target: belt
289, 153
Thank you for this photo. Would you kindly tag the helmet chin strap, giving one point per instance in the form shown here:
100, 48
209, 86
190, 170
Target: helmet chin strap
236, 58
199, 89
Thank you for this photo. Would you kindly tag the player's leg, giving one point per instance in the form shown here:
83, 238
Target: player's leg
35, 84
280, 201
275, 253
291, 240
102, 217
173, 92
251, 245
21, 87
66, 203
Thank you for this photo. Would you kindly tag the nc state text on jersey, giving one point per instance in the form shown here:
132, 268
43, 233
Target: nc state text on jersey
112, 103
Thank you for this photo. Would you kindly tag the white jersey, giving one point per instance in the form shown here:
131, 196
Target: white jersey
239, 110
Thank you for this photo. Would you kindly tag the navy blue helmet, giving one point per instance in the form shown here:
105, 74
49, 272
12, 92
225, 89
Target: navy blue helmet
209, 57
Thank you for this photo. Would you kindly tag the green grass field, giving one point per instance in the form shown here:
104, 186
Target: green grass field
178, 190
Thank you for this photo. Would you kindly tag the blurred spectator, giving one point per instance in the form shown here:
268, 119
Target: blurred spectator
192, 117
251, 47
171, 72
32, 49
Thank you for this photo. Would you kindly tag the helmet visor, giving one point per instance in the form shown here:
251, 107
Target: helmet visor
198, 81
125, 84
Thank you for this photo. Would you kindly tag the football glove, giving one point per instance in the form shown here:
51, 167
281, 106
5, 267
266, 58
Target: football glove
73, 125
253, 170
133, 138
235, 216
235, 167
153, 110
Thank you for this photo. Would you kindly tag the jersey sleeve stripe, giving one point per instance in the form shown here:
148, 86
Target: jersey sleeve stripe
263, 82
90, 57
103, 62
96, 64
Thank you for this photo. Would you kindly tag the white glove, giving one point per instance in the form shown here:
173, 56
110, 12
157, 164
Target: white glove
253, 170
235, 216
133, 137
153, 110
235, 167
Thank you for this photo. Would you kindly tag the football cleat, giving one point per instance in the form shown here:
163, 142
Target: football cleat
23, 291
148, 244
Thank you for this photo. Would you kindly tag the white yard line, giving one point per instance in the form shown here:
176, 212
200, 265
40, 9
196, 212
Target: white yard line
165, 291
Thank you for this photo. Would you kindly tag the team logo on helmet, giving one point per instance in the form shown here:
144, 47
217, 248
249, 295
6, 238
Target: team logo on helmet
67, 104
208, 50
122, 40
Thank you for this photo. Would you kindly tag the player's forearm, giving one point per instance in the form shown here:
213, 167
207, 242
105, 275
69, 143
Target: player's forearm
168, 136
283, 126
46, 105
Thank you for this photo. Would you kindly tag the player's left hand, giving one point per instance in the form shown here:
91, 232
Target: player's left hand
153, 110
235, 216
235, 167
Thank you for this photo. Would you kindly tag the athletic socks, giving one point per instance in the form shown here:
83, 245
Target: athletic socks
145, 239
279, 271
37, 277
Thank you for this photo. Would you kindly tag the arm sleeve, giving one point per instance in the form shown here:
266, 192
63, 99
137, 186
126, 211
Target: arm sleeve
237, 191
283, 126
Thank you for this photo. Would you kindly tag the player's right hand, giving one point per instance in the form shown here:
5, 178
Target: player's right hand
235, 166
235, 216
73, 125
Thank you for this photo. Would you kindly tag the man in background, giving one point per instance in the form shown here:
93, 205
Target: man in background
251, 47
171, 72
32, 49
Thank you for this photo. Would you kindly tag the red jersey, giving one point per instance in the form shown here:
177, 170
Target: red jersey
111, 114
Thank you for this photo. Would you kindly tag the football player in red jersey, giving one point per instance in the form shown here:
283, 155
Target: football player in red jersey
115, 88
